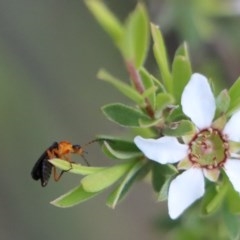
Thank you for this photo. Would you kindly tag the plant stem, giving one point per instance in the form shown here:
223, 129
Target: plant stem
137, 82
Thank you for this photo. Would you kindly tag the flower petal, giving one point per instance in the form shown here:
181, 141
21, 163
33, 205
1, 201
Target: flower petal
212, 175
232, 128
184, 164
163, 150
185, 189
198, 102
232, 169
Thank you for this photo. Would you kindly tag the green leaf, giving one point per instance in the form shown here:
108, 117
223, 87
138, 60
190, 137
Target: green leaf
150, 122
213, 198
223, 101
211, 192
123, 155
124, 186
178, 129
163, 193
116, 145
119, 143
233, 200
123, 115
148, 83
160, 54
136, 38
149, 80
105, 178
183, 51
234, 96
163, 100
160, 174
107, 20
124, 88
231, 222
73, 197
181, 71
73, 167
175, 114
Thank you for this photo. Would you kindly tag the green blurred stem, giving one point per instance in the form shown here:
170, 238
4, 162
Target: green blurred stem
137, 82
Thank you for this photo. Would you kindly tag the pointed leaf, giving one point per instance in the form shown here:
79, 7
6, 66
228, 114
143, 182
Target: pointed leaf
150, 122
163, 100
123, 115
233, 200
223, 101
178, 129
123, 155
213, 198
73, 197
105, 178
231, 221
118, 143
160, 54
234, 96
160, 173
148, 83
124, 186
136, 39
182, 72
107, 20
163, 193
73, 167
124, 88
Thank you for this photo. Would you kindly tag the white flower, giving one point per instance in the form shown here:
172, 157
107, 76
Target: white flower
206, 153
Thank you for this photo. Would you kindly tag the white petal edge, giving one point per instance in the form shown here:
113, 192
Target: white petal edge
184, 190
198, 101
232, 169
163, 150
232, 128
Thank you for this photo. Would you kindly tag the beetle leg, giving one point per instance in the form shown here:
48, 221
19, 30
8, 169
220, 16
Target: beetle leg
85, 160
57, 176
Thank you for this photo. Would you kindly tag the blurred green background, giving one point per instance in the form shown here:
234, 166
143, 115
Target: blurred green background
50, 52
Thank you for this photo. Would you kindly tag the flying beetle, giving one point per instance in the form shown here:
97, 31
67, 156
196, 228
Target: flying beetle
42, 169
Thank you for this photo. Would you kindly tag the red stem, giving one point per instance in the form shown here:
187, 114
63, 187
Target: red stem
137, 82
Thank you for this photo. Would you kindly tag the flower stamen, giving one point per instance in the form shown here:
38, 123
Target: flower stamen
209, 149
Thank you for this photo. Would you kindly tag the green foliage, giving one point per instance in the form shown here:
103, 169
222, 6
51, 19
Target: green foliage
160, 54
124, 88
213, 199
181, 128
124, 115
123, 188
231, 224
120, 154
234, 97
73, 197
136, 36
132, 38
97, 180
154, 111
161, 178
223, 101
74, 168
105, 178
107, 20
181, 71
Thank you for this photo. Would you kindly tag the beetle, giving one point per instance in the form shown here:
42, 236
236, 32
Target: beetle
43, 168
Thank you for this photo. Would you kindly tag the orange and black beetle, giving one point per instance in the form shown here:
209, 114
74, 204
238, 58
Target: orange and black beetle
43, 168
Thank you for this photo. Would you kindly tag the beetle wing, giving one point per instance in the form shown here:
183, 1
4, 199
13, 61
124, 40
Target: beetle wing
42, 168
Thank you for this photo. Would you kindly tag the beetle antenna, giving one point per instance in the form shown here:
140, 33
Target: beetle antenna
92, 141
